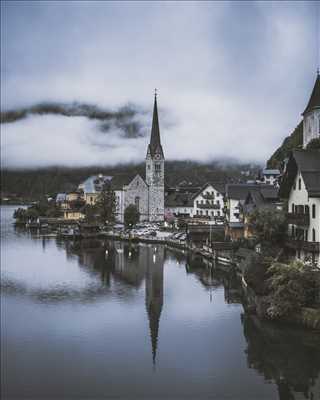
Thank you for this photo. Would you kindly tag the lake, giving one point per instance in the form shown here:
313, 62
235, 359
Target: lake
137, 322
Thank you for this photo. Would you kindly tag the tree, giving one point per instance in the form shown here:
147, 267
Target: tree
292, 286
268, 224
106, 204
131, 216
314, 144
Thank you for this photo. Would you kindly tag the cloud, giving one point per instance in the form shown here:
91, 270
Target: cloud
233, 78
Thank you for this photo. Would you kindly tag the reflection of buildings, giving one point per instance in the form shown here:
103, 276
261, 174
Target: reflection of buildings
131, 264
288, 357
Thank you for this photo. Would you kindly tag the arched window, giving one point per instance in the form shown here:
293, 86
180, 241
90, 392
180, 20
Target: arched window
313, 235
292, 208
306, 235
313, 210
137, 202
299, 184
306, 210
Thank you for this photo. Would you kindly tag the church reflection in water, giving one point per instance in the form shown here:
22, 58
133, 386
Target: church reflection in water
288, 357
123, 268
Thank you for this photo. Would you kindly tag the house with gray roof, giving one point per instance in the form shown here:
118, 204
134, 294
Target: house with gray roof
301, 187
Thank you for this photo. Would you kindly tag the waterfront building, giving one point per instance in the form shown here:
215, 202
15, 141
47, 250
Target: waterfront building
205, 203
301, 186
263, 197
236, 195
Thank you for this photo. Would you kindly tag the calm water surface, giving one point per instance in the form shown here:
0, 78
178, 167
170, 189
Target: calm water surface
137, 323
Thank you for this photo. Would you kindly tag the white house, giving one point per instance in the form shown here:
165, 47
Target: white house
209, 202
301, 185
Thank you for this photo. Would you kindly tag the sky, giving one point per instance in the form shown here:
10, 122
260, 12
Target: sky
232, 78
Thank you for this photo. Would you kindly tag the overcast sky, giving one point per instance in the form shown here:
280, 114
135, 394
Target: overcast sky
233, 78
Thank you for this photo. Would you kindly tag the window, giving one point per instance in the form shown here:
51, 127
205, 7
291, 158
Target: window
137, 202
299, 183
157, 167
207, 213
313, 235
292, 230
306, 235
306, 210
294, 185
313, 210
218, 213
212, 213
292, 208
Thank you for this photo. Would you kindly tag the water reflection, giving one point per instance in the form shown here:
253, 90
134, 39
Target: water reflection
289, 357
123, 309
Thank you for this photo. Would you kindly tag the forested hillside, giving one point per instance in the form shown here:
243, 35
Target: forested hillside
33, 183
291, 142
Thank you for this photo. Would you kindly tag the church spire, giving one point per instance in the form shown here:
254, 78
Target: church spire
155, 142
314, 101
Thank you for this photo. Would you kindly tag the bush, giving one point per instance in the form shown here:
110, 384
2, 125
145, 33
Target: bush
292, 287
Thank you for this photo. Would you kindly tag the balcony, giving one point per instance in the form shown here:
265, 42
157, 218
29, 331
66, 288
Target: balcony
208, 206
208, 196
298, 219
312, 247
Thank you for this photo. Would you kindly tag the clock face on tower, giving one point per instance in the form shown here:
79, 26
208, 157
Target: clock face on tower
157, 156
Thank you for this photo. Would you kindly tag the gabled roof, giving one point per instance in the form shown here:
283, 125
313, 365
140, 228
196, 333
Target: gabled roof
218, 186
120, 180
308, 163
314, 101
178, 199
239, 191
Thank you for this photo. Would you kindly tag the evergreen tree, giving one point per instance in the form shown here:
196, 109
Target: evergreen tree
106, 204
131, 216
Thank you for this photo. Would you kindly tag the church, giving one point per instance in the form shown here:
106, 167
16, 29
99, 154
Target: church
146, 193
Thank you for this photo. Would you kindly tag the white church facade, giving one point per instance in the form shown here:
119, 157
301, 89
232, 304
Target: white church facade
146, 193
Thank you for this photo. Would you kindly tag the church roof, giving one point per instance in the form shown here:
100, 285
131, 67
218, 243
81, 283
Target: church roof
314, 101
120, 180
155, 142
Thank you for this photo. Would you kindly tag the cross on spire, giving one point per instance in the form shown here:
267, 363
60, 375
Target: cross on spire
155, 92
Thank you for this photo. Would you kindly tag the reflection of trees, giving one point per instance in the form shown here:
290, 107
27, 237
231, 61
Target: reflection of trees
213, 278
289, 357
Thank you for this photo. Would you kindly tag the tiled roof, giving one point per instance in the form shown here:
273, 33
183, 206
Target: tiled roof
239, 191
178, 199
120, 180
308, 163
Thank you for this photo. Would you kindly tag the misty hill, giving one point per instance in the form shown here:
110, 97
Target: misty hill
32, 184
291, 142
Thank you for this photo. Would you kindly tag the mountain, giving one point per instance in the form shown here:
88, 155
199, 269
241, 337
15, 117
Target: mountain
291, 142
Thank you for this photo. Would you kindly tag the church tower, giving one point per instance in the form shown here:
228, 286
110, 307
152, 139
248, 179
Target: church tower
311, 115
155, 169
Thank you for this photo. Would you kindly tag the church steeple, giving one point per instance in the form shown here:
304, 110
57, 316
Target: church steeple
314, 101
155, 142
